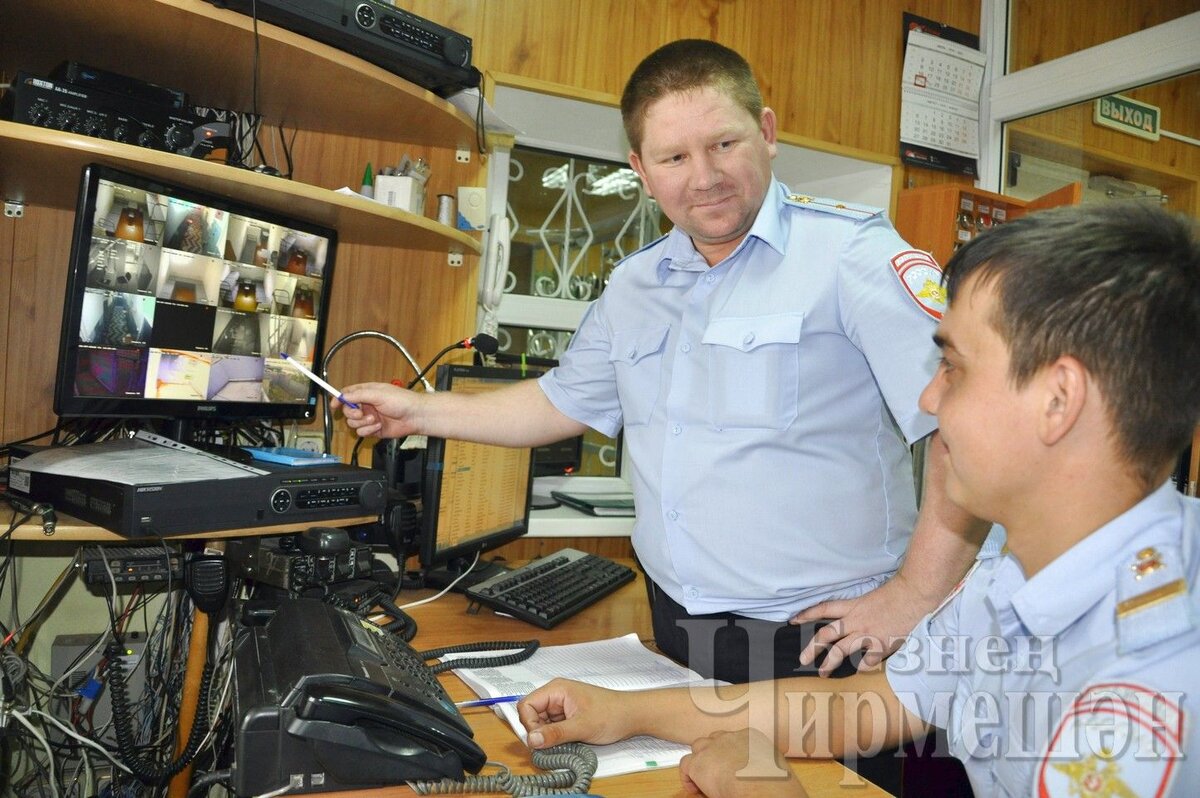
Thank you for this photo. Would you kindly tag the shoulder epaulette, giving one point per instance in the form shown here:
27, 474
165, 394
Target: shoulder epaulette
1152, 599
850, 211
643, 248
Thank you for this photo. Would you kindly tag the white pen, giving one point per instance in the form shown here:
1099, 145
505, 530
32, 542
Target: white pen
332, 391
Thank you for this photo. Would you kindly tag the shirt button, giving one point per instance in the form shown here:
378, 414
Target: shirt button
675, 430
686, 348
673, 514
632, 354
748, 338
693, 593
708, 278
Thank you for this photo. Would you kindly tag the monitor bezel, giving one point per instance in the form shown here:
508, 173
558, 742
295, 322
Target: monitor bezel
67, 404
429, 556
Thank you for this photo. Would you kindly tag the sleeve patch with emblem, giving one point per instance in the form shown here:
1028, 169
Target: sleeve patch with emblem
921, 277
1119, 740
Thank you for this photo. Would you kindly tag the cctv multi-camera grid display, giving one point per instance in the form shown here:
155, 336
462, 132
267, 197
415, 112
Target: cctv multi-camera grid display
179, 304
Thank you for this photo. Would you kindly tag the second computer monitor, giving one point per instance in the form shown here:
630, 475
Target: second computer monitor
474, 497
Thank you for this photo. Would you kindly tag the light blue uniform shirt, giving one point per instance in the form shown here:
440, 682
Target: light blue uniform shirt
768, 403
1034, 679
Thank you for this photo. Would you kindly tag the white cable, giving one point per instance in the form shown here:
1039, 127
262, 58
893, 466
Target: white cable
20, 716
225, 690
445, 590
273, 793
67, 730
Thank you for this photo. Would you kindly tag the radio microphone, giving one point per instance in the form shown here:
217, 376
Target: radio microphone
483, 343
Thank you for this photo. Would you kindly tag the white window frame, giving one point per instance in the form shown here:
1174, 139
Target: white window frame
1159, 53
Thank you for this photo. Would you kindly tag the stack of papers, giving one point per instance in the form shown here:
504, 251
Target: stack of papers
621, 663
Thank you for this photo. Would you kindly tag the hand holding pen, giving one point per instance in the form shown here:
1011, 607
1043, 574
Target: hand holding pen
487, 702
334, 392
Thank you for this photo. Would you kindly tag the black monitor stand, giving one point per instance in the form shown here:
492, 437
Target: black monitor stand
483, 570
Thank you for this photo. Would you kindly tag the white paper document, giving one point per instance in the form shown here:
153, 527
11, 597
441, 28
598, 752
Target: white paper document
146, 459
621, 663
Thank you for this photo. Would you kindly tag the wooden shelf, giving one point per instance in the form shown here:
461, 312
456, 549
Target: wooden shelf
925, 216
42, 166
209, 53
71, 530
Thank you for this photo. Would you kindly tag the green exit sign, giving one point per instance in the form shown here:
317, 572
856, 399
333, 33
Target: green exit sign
1128, 116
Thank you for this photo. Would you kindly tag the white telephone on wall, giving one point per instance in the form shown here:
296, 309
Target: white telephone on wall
494, 272
495, 263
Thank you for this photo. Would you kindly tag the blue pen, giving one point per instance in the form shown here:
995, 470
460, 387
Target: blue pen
332, 391
487, 702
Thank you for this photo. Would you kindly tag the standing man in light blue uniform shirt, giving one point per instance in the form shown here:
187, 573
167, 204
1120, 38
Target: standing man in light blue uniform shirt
765, 360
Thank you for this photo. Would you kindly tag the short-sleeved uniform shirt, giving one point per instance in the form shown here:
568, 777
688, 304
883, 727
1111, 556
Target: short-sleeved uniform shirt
1080, 681
768, 403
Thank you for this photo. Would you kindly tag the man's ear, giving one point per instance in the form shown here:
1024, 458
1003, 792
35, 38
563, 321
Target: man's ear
635, 163
1064, 385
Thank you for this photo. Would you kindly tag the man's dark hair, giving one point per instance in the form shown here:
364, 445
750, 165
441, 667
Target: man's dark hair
1115, 285
686, 65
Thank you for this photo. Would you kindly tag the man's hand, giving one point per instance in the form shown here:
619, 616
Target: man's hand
713, 768
563, 711
384, 411
875, 623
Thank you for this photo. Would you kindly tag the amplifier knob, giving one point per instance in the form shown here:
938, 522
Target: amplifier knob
148, 138
364, 15
94, 126
66, 119
177, 137
39, 113
455, 51
123, 132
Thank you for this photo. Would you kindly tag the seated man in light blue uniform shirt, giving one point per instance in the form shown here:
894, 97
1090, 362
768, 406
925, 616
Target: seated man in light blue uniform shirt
1065, 665
764, 359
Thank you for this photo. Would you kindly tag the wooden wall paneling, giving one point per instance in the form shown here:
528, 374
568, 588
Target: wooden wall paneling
7, 233
41, 246
1044, 31
831, 70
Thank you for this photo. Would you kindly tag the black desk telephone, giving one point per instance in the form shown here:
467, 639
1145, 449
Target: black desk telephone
325, 701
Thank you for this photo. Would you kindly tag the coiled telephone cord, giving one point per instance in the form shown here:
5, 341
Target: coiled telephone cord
569, 769
147, 772
524, 652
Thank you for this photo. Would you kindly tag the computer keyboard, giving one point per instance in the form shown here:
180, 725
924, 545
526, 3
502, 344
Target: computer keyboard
546, 592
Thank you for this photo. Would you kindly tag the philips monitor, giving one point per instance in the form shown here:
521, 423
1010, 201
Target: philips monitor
180, 302
474, 497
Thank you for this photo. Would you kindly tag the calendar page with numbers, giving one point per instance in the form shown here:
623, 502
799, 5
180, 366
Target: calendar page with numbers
939, 110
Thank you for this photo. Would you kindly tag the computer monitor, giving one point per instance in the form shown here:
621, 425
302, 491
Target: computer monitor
474, 497
179, 303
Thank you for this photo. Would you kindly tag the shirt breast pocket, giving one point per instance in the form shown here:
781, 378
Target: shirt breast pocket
753, 371
636, 357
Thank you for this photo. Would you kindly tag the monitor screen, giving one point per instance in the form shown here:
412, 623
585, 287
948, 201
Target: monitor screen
179, 304
474, 497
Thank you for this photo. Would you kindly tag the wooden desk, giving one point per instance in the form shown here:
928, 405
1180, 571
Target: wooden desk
71, 529
445, 622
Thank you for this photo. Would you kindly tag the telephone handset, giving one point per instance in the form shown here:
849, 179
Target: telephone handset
323, 692
432, 743
495, 263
